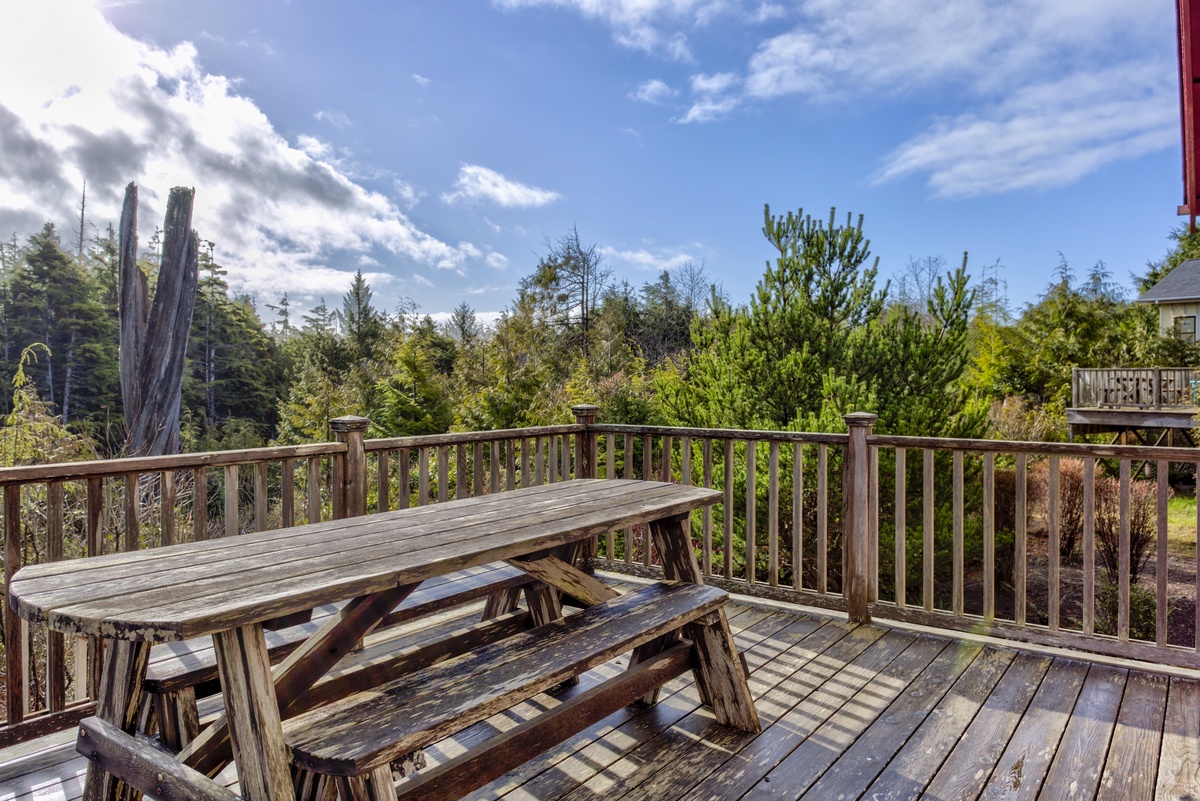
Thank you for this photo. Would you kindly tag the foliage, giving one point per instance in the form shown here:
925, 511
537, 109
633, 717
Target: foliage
1143, 610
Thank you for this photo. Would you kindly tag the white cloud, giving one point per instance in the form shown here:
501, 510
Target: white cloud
480, 183
497, 261
408, 194
716, 98
1045, 135
421, 280
713, 84
643, 259
337, 119
421, 80
653, 91
641, 24
120, 110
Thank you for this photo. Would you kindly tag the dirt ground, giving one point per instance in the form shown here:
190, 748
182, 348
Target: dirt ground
1181, 590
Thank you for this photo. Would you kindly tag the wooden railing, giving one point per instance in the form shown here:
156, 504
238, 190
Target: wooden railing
967, 535
59, 511
1140, 388
1012, 539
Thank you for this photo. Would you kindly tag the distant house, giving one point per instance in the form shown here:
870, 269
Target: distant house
1177, 296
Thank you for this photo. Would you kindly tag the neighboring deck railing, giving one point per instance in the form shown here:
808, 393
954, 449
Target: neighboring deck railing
933, 531
1134, 387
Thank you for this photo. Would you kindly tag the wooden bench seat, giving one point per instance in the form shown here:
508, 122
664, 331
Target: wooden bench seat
355, 739
178, 672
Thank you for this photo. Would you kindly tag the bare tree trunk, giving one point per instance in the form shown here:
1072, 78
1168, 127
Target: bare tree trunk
154, 340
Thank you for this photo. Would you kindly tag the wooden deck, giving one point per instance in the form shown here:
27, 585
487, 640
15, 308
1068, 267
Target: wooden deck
871, 712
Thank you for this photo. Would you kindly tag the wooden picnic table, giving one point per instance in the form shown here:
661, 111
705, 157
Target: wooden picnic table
228, 587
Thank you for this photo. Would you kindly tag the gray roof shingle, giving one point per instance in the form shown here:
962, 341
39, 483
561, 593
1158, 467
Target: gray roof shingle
1182, 283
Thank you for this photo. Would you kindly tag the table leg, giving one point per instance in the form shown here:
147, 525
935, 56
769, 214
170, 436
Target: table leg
255, 727
209, 752
720, 674
120, 696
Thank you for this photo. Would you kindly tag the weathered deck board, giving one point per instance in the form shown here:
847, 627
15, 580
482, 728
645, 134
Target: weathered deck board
850, 712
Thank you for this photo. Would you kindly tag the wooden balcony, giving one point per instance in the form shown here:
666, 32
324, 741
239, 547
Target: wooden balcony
1124, 399
849, 711
882, 561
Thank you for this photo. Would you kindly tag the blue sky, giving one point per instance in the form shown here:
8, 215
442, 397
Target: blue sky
437, 145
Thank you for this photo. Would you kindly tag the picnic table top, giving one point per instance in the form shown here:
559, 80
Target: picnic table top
182, 591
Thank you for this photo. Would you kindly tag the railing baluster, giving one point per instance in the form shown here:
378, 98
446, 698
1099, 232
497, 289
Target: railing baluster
647, 458
927, 532
539, 457
873, 525
706, 513
668, 455
1089, 546
510, 465
727, 547
56, 677
989, 536
231, 500
422, 476
1054, 544
524, 463
552, 458
133, 528
901, 534
957, 597
166, 508
773, 515
494, 466
477, 469
610, 471
383, 482
566, 456
1019, 542
822, 518
797, 516
1123, 557
199, 503
751, 511
628, 473
287, 490
443, 473
1160, 595
404, 479
685, 461
14, 658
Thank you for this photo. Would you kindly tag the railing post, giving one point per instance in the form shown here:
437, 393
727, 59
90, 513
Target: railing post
856, 496
585, 441
1076, 390
350, 468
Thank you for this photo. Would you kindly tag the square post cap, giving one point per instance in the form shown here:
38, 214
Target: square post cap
860, 419
349, 423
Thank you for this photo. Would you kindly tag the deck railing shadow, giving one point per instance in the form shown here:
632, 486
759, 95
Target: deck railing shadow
932, 531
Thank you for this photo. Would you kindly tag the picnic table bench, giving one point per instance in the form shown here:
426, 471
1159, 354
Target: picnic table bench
227, 588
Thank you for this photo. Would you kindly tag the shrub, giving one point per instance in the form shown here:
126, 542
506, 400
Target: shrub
1142, 612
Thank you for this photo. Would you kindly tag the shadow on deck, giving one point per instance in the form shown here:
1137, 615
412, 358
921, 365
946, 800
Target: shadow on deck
874, 712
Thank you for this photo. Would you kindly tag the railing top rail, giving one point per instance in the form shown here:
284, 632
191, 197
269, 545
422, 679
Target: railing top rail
459, 437
723, 433
1040, 448
1129, 369
107, 468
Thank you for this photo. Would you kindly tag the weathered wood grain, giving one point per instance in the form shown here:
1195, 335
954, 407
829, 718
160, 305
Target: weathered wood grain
906, 773
1079, 760
328, 561
1132, 767
965, 771
120, 698
149, 769
353, 736
856, 766
1023, 765
1179, 761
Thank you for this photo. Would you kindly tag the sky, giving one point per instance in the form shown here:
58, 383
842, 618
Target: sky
439, 145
